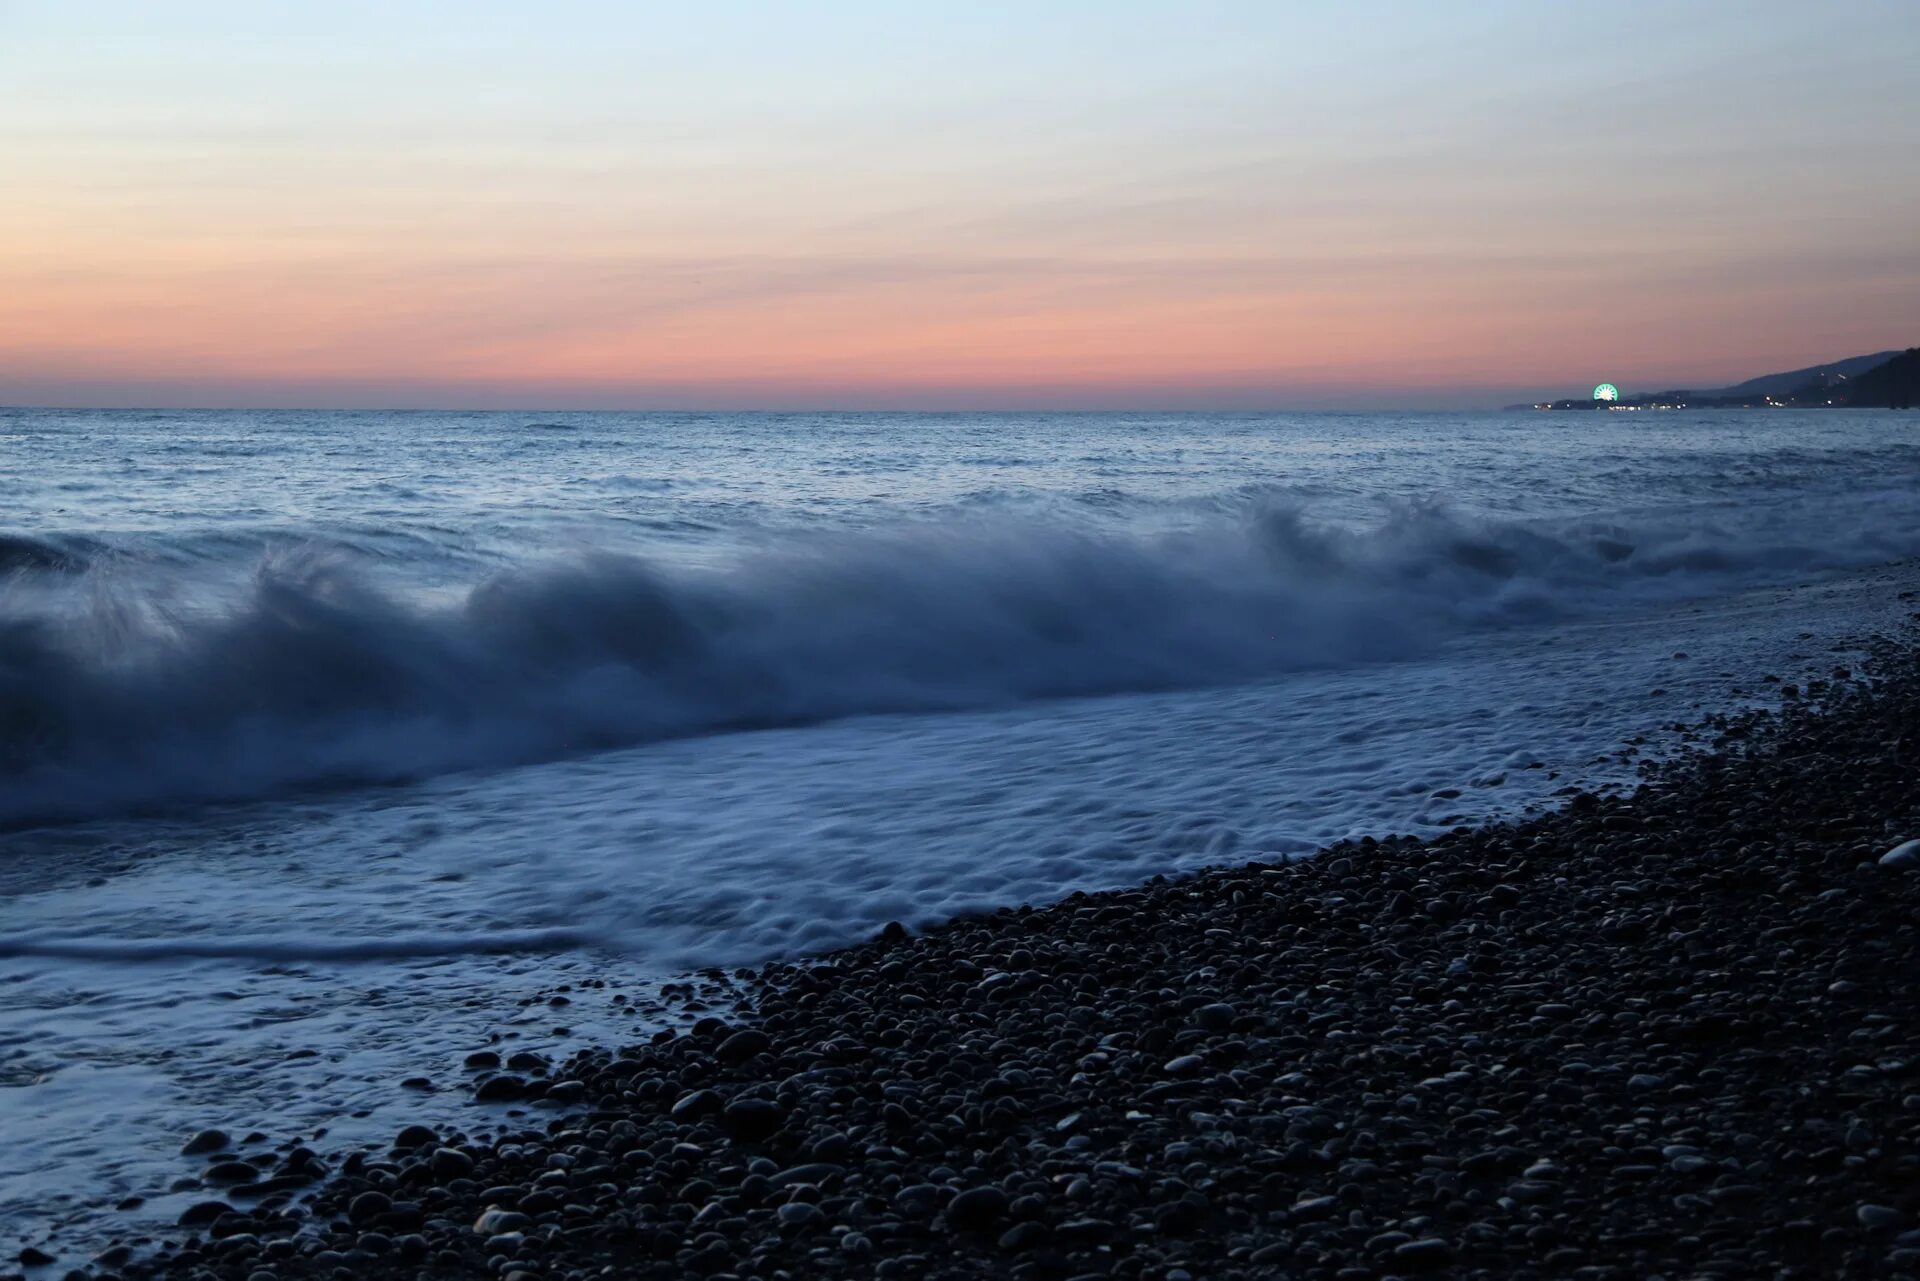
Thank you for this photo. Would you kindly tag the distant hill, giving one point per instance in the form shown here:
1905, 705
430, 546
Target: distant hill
1796, 379
1891, 384
1883, 379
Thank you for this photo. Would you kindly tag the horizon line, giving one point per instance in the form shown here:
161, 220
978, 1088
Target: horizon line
759, 409
1498, 399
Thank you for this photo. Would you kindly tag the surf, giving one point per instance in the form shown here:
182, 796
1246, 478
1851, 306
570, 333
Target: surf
130, 692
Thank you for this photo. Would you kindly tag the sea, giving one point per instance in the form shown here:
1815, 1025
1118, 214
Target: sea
336, 746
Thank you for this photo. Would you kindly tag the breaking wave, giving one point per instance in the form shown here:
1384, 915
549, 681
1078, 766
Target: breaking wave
123, 697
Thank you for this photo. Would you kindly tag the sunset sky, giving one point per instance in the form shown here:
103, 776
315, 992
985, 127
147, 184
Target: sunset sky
918, 204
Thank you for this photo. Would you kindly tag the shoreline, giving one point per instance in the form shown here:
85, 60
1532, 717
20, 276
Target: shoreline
1642, 1035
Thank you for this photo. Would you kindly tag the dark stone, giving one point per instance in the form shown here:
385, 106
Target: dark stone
1217, 1017
501, 1089
201, 1213
450, 1163
415, 1136
1423, 1255
816, 1172
229, 1172
368, 1206
204, 1142
752, 1120
976, 1209
742, 1046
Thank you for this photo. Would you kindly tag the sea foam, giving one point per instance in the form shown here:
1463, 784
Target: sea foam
122, 691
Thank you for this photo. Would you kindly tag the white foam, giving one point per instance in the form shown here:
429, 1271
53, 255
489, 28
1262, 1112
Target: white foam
114, 697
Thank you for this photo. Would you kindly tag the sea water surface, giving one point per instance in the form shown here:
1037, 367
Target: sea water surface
333, 745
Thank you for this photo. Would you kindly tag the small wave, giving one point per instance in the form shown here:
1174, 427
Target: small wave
284, 948
18, 552
316, 675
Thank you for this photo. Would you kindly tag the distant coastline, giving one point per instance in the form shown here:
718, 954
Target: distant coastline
1883, 380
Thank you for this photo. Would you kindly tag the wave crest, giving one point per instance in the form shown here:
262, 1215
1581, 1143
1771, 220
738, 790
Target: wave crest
121, 698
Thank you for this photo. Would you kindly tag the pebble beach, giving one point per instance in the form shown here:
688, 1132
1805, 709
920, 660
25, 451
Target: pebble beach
1660, 1034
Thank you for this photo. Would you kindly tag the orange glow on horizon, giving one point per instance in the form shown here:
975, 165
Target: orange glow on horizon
1290, 208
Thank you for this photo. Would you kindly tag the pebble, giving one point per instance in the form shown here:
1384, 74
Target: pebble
500, 1089
368, 1206
201, 1213
976, 1209
204, 1142
415, 1136
1905, 854
697, 1103
743, 1045
1421, 1255
752, 1120
1216, 1017
230, 1172
497, 1222
450, 1163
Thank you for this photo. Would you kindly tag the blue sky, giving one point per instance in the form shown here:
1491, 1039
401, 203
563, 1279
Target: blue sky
931, 204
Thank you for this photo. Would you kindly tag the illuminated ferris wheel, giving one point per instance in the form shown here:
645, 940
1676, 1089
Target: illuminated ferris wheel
1606, 392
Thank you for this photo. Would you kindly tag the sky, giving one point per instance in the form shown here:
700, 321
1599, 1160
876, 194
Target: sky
867, 204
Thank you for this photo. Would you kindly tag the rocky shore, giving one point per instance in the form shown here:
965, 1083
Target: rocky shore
1670, 1035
